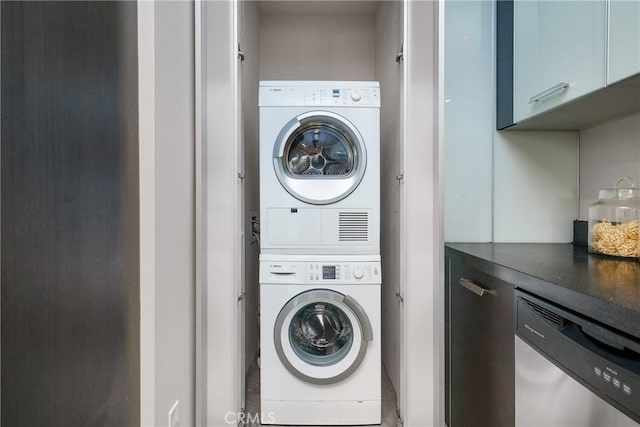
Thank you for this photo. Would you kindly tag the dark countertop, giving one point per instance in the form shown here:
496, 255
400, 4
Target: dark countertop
605, 289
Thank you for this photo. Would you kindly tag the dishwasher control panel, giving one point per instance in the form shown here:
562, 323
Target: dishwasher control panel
611, 377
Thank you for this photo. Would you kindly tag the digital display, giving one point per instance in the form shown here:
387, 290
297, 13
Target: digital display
328, 271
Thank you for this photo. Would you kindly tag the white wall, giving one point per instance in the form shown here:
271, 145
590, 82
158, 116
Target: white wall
535, 186
607, 152
389, 36
167, 210
319, 48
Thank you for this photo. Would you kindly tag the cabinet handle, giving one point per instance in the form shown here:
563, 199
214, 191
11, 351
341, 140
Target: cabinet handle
550, 91
478, 290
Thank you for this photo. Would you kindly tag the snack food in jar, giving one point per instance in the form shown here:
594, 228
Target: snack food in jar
614, 221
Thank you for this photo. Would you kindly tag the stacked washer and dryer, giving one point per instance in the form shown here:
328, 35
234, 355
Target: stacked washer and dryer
320, 270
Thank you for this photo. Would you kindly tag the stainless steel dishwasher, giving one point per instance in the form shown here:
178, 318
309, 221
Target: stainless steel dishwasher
572, 371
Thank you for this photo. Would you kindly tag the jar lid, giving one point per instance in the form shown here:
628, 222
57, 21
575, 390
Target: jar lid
619, 193
624, 188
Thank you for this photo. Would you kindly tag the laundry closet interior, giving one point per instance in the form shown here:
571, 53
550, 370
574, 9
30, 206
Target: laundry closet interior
328, 41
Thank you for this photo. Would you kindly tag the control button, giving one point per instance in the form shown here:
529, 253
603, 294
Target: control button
606, 377
355, 96
358, 273
597, 371
616, 383
626, 388
375, 270
317, 277
311, 277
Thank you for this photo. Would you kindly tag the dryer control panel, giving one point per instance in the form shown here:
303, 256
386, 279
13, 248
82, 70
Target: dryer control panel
321, 272
337, 94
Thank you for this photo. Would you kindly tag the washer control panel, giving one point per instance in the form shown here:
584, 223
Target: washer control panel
321, 272
342, 94
366, 97
348, 273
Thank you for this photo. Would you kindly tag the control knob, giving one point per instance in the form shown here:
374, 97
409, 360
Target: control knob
358, 273
355, 96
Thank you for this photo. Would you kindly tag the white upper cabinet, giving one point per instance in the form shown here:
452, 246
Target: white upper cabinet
558, 53
624, 39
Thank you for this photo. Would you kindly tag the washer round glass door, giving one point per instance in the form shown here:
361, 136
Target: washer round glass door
321, 336
319, 157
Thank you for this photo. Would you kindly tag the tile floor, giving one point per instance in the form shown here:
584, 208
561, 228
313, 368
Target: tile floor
389, 411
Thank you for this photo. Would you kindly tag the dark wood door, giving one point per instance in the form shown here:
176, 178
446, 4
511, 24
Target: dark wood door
69, 225
480, 346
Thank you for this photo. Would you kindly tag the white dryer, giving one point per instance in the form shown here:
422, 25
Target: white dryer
320, 167
320, 340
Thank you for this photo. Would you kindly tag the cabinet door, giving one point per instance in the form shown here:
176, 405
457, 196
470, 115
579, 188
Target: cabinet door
624, 39
480, 374
558, 53
70, 216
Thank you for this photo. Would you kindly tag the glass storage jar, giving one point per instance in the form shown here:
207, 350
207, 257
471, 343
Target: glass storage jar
614, 221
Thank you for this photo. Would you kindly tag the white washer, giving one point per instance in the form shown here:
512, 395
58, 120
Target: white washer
320, 167
320, 340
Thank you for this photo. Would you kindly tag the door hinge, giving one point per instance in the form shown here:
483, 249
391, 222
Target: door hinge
240, 53
400, 55
241, 176
400, 177
242, 295
400, 297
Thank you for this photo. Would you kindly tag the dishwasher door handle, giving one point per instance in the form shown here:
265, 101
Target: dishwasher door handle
475, 288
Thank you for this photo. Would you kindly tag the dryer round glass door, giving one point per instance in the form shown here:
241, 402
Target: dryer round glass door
319, 157
321, 336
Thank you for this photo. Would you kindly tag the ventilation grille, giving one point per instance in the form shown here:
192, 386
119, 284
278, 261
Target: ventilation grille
353, 227
554, 319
